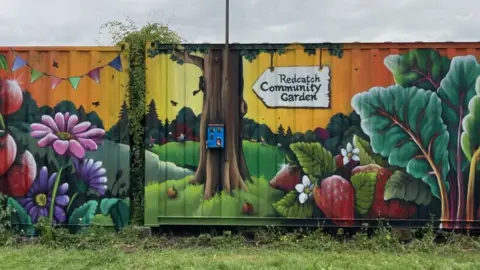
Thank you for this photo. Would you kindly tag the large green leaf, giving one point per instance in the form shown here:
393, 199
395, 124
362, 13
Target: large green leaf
423, 68
20, 217
366, 155
471, 126
84, 214
403, 187
315, 160
118, 209
456, 91
3, 62
290, 207
364, 185
405, 125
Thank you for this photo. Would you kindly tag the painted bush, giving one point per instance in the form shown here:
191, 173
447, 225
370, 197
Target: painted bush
55, 159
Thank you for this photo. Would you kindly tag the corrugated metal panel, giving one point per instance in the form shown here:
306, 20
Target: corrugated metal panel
61, 104
279, 124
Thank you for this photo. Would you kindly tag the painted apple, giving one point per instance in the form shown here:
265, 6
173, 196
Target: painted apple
172, 192
286, 178
10, 96
247, 208
8, 152
20, 177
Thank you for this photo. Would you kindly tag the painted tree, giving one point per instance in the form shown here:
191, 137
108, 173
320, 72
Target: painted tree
222, 103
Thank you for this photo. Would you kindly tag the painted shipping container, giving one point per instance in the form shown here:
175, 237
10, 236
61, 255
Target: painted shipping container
64, 146
336, 134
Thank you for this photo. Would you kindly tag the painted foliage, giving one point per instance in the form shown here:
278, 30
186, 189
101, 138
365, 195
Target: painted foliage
316, 132
64, 145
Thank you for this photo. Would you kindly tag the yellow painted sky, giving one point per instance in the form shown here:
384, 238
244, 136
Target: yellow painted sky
110, 92
167, 81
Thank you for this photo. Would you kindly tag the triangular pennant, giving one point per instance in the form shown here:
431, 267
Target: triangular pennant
18, 63
55, 81
74, 81
35, 75
94, 74
116, 63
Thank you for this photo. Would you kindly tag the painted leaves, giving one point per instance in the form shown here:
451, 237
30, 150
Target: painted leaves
455, 91
402, 186
314, 159
405, 125
289, 207
423, 68
471, 125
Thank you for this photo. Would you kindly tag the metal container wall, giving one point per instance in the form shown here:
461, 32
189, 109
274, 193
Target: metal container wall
337, 134
64, 135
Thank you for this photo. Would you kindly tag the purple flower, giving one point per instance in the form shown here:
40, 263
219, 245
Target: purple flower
92, 174
67, 135
38, 199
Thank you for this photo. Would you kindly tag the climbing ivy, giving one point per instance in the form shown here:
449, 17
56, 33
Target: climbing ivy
134, 41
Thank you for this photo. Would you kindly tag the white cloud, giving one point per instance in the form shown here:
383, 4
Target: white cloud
74, 22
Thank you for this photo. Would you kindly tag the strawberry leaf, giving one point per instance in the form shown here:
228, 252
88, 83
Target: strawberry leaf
315, 160
364, 185
290, 207
366, 155
403, 187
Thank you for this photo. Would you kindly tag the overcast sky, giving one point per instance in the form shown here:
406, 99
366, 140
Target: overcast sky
77, 22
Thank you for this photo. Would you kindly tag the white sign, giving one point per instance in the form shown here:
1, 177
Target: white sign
294, 87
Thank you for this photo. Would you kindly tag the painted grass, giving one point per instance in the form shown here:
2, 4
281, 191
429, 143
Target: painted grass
262, 160
189, 201
38, 257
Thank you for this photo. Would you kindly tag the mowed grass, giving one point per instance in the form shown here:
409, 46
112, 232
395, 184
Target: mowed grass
190, 203
262, 160
38, 257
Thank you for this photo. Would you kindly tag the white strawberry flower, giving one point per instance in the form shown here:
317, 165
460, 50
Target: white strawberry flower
304, 189
350, 154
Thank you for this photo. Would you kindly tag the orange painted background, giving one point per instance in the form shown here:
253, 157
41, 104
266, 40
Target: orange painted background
72, 61
360, 68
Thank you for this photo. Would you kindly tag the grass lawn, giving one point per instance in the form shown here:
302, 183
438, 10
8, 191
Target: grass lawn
189, 201
262, 160
38, 257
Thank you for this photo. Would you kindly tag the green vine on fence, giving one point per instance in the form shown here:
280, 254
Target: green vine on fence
135, 39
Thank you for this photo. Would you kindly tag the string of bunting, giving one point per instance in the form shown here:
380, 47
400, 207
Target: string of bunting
93, 74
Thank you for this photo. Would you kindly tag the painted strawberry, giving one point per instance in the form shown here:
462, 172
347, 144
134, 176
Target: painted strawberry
391, 209
286, 178
336, 198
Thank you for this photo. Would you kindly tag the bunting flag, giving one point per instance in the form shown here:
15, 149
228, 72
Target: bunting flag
74, 81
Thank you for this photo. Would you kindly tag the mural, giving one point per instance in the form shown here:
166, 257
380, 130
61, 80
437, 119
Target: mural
64, 147
313, 133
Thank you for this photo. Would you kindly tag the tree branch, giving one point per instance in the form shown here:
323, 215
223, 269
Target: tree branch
188, 58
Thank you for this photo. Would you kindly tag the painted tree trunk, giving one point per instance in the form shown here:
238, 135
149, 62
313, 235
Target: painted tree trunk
222, 102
